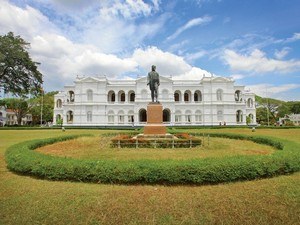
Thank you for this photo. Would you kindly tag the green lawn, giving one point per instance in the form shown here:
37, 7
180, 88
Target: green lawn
99, 148
25, 200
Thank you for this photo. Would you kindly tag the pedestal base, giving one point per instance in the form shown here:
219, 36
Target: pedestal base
155, 124
154, 113
155, 129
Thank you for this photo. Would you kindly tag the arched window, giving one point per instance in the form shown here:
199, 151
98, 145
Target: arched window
219, 95
111, 116
89, 116
187, 96
197, 96
58, 103
178, 116
220, 115
188, 116
198, 116
238, 96
166, 115
70, 116
239, 116
111, 96
250, 103
143, 115
131, 96
251, 117
89, 94
121, 96
71, 96
177, 96
121, 116
130, 116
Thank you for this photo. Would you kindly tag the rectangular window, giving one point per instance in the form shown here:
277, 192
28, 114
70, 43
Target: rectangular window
188, 118
177, 118
130, 119
198, 118
121, 119
89, 117
111, 119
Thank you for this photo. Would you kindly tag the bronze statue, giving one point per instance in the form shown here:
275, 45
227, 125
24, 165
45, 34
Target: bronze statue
153, 82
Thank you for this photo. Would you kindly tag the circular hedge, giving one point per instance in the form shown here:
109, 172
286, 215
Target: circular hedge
23, 160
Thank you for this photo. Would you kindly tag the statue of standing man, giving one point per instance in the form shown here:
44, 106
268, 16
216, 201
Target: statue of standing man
153, 82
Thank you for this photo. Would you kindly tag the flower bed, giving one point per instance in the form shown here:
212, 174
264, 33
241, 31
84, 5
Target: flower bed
183, 140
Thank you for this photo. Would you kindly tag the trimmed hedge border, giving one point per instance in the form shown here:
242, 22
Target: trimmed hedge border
21, 159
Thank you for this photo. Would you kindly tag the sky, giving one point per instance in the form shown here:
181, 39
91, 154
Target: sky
257, 43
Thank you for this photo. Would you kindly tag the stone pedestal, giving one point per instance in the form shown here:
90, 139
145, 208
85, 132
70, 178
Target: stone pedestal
155, 124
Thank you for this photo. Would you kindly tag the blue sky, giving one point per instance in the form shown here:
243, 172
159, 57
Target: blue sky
255, 42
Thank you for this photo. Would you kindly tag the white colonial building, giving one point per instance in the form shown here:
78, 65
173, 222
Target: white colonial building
97, 101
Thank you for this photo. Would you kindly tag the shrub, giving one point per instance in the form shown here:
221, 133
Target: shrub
22, 159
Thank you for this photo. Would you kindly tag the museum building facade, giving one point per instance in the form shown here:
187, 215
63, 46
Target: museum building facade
97, 101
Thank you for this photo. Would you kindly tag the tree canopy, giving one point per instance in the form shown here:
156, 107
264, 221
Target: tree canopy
19, 74
274, 109
47, 101
18, 105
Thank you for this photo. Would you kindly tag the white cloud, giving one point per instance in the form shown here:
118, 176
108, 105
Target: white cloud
272, 91
194, 73
167, 64
191, 23
201, 2
26, 22
70, 59
128, 9
295, 37
257, 62
62, 59
237, 76
282, 53
196, 55
123, 35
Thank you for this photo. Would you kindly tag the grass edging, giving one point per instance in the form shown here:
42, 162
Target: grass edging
21, 159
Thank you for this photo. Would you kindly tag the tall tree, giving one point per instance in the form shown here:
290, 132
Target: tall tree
18, 72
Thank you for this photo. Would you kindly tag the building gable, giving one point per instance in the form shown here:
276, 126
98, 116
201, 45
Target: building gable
91, 80
221, 80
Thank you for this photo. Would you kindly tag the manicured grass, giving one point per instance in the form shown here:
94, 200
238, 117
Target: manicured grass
99, 148
25, 200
